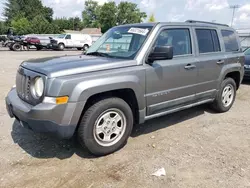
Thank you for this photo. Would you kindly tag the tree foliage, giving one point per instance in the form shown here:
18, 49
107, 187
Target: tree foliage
27, 9
69, 23
21, 26
110, 14
30, 16
3, 28
129, 13
91, 14
151, 18
107, 17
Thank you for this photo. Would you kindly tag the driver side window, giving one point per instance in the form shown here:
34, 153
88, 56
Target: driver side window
68, 37
178, 38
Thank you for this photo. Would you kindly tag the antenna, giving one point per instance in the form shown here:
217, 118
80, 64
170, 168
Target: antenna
234, 7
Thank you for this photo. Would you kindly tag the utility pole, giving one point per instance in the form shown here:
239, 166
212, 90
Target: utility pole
234, 7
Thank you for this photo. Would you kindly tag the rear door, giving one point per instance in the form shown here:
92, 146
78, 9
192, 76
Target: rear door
211, 60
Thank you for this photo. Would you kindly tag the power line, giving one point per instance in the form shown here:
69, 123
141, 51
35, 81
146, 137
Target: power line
234, 7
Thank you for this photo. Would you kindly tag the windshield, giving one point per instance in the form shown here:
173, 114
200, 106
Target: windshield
247, 51
61, 36
121, 42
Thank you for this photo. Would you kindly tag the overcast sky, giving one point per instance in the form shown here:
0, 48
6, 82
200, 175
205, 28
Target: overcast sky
169, 10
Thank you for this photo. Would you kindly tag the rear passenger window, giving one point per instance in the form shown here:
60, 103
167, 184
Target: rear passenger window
216, 41
231, 43
208, 40
178, 38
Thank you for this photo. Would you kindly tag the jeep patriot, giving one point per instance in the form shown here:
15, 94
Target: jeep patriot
133, 73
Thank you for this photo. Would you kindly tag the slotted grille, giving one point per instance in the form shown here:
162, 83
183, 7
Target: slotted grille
23, 86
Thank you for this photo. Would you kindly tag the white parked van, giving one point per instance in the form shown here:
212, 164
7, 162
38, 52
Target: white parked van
79, 41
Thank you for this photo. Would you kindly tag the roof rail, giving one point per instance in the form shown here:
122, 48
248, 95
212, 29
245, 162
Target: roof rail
195, 21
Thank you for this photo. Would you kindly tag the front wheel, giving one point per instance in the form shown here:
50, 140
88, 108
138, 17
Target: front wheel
85, 47
106, 126
226, 96
61, 46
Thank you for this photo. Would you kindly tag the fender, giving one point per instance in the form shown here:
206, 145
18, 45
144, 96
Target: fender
236, 67
88, 88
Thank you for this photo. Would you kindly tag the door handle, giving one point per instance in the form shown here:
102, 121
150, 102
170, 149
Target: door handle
190, 66
220, 62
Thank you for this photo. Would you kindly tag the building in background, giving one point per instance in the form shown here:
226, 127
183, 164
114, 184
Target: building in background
244, 35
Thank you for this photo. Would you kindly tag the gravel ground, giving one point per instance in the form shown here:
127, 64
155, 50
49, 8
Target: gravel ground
197, 148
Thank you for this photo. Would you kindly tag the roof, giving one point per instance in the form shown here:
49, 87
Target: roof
187, 23
72, 31
91, 31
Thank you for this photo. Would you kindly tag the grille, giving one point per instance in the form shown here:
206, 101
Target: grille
23, 86
52, 41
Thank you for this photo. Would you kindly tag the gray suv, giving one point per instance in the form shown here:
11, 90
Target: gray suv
133, 73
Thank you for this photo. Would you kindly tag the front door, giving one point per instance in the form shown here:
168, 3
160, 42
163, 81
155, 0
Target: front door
69, 41
171, 84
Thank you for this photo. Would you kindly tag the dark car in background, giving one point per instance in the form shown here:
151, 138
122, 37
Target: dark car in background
247, 63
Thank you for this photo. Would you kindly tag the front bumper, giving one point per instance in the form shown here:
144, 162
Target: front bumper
53, 46
60, 120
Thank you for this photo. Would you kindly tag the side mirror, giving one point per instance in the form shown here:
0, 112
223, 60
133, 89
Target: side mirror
161, 53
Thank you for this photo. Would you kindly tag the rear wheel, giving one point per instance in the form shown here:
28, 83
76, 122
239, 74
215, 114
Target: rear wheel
17, 46
79, 49
106, 126
226, 96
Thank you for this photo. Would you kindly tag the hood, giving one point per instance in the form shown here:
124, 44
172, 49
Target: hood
247, 60
68, 65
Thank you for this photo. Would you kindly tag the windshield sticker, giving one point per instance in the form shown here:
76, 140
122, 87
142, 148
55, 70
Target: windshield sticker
138, 31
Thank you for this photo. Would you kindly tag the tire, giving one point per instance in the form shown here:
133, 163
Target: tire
16, 47
95, 116
61, 46
85, 47
11, 46
79, 49
38, 48
227, 85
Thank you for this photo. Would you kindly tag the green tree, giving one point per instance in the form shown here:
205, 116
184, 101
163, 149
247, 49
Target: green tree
151, 18
129, 13
91, 14
69, 23
14, 9
21, 26
75, 23
40, 25
108, 17
3, 28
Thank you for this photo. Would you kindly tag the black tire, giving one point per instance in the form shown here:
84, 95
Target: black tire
87, 124
85, 47
218, 105
61, 46
38, 48
16, 47
11, 46
79, 49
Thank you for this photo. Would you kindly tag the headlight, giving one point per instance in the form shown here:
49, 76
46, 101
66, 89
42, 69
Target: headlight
38, 87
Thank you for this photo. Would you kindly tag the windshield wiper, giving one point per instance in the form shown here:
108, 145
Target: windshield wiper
98, 54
